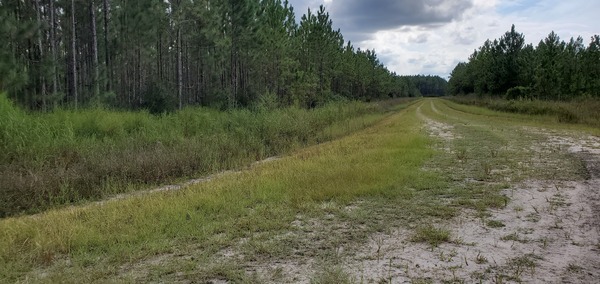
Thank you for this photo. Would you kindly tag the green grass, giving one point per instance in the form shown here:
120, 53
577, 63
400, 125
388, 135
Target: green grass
582, 111
431, 235
383, 161
332, 275
495, 224
392, 174
66, 156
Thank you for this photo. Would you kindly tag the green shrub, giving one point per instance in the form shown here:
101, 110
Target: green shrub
157, 100
518, 93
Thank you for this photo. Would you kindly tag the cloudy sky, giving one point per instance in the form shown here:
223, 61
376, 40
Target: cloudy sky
432, 36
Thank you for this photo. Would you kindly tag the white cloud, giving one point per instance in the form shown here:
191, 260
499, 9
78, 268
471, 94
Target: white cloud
436, 49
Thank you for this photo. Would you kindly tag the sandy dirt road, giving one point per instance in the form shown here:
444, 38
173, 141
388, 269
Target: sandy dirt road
547, 232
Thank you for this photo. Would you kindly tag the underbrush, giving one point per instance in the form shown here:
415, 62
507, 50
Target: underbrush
583, 111
67, 156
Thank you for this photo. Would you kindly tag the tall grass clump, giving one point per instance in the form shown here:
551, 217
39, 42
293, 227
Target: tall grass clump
50, 159
17, 130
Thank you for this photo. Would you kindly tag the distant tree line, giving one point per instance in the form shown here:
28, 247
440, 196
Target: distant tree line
553, 70
429, 86
169, 54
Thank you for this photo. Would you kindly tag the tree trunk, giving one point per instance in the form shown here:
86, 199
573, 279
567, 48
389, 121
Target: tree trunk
138, 86
107, 62
74, 54
53, 49
159, 57
41, 54
234, 79
95, 83
179, 69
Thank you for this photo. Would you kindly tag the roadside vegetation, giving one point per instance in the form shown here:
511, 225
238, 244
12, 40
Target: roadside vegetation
580, 111
93, 242
312, 210
49, 159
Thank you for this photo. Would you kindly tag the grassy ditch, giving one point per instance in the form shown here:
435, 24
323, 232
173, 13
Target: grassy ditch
67, 156
97, 241
582, 111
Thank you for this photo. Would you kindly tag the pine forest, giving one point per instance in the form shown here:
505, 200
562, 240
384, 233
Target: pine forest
165, 55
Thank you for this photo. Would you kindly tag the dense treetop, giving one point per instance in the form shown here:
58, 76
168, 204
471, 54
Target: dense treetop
554, 69
168, 54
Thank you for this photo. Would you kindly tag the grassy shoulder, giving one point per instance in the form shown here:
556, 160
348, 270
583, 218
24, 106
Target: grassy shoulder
582, 111
63, 157
93, 242
498, 144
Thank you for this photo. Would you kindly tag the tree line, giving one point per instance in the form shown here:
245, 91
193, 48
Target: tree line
553, 70
429, 86
169, 54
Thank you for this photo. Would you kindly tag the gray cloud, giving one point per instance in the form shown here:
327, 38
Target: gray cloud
364, 17
465, 36
422, 38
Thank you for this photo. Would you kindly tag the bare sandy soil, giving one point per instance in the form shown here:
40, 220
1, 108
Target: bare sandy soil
547, 233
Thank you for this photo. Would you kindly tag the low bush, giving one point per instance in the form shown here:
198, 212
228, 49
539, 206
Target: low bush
518, 93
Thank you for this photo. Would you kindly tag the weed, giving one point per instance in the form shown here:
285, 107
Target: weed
379, 240
420, 280
544, 242
388, 279
533, 217
495, 224
448, 257
494, 153
480, 259
521, 264
331, 275
461, 154
515, 238
573, 268
431, 235
487, 170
